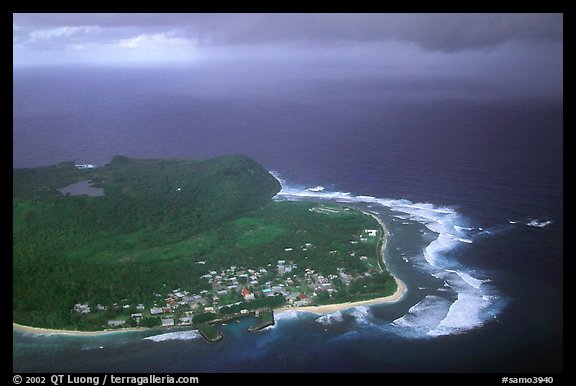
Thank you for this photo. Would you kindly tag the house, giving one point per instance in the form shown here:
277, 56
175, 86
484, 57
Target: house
140, 307
82, 308
167, 322
371, 232
116, 323
267, 292
85, 166
302, 296
247, 294
156, 311
185, 320
278, 288
137, 315
244, 311
166, 309
208, 309
222, 292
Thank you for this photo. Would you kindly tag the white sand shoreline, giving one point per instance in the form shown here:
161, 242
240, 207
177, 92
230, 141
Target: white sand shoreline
331, 308
48, 331
401, 290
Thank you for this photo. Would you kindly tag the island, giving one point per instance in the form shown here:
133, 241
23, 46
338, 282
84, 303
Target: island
160, 243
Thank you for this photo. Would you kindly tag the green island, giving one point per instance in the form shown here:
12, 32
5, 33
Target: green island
145, 243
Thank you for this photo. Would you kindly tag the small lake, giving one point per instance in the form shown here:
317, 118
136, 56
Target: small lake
82, 187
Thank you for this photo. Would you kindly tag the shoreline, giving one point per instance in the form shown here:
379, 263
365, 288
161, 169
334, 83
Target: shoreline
331, 308
48, 331
401, 290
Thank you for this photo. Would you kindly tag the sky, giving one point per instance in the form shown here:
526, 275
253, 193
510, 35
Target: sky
521, 52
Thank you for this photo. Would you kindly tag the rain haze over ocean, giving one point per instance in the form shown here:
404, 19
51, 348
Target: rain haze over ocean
448, 126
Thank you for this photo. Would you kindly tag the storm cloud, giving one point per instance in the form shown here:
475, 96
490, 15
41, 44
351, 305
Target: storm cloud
516, 54
432, 32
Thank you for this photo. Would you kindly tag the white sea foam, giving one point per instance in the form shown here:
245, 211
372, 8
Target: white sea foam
538, 223
288, 314
327, 319
366, 198
434, 315
464, 314
425, 315
361, 314
469, 279
178, 335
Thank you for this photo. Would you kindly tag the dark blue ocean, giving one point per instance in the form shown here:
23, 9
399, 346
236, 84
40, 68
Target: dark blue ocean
469, 183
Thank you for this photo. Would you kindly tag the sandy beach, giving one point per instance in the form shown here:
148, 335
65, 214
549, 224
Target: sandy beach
323, 309
48, 331
330, 308
395, 297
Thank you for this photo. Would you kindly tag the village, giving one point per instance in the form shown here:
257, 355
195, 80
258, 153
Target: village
240, 290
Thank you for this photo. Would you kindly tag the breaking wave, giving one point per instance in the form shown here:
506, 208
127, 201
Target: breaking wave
361, 314
179, 335
538, 223
328, 319
466, 301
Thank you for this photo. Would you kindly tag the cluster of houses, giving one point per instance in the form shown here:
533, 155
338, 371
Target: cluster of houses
250, 283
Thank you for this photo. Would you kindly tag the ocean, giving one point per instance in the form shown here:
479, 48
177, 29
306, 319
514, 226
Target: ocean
469, 184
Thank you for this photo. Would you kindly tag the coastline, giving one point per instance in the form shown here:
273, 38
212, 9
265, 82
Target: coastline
48, 331
331, 308
401, 288
321, 309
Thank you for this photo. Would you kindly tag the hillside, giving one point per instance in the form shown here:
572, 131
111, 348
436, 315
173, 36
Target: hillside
96, 246
61, 243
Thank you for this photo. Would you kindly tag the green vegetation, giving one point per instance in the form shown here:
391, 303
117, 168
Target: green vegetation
209, 332
162, 225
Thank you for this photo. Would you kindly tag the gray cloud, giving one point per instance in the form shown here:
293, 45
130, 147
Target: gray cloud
431, 32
